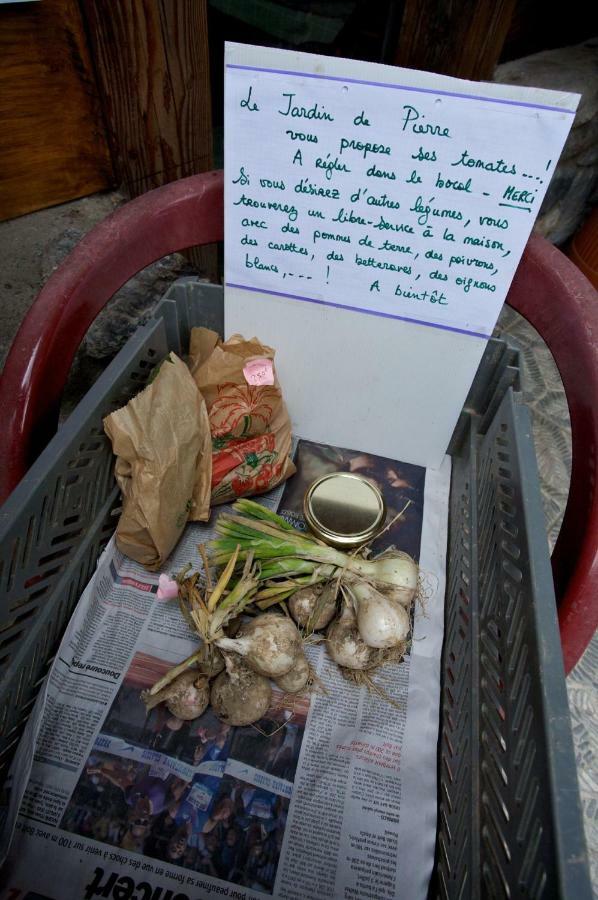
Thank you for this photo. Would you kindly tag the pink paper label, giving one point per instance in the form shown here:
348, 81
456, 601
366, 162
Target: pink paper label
259, 371
168, 589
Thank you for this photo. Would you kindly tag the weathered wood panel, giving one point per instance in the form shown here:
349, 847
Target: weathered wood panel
462, 38
151, 59
152, 65
52, 144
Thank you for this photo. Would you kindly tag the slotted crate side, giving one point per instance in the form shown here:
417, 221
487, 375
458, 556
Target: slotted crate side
517, 845
52, 530
457, 834
189, 303
458, 837
499, 369
18, 694
509, 820
531, 833
58, 520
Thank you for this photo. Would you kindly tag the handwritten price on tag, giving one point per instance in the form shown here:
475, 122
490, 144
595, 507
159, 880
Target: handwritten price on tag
259, 372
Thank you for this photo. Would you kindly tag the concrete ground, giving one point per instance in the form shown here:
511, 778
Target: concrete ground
25, 254
31, 246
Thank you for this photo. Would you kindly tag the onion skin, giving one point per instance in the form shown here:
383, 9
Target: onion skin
188, 695
346, 646
240, 696
314, 599
269, 644
382, 623
296, 678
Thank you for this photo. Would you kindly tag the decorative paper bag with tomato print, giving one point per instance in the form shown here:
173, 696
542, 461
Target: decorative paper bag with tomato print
249, 423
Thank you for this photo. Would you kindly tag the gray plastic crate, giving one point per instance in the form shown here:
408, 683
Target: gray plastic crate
509, 820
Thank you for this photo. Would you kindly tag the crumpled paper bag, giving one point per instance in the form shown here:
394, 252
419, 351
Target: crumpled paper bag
249, 422
162, 442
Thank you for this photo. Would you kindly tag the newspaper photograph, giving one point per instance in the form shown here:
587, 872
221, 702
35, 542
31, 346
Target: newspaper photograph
332, 793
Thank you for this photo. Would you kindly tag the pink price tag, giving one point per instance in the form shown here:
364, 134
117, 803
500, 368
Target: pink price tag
259, 371
168, 589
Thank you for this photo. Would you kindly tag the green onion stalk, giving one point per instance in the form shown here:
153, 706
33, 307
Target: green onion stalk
286, 553
208, 612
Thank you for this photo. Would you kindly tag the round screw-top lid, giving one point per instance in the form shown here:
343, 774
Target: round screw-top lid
344, 509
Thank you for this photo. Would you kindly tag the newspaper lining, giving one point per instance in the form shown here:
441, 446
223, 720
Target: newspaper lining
333, 795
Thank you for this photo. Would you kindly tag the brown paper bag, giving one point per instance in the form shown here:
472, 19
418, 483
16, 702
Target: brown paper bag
202, 343
249, 423
161, 439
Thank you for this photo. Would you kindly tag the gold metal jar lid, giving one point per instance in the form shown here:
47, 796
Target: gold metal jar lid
344, 509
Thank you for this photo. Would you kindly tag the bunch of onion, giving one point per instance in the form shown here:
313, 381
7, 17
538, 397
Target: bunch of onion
379, 591
208, 609
268, 646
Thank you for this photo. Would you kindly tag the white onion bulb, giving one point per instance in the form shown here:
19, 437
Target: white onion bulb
270, 643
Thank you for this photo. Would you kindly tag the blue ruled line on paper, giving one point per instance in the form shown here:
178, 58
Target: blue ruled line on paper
403, 87
369, 312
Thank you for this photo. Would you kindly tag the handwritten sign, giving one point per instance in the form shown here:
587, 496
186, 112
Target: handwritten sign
387, 193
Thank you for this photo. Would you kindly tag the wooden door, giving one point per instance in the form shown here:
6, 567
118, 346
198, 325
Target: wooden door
52, 142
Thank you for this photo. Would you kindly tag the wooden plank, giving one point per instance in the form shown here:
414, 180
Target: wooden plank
151, 61
464, 39
152, 64
52, 144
